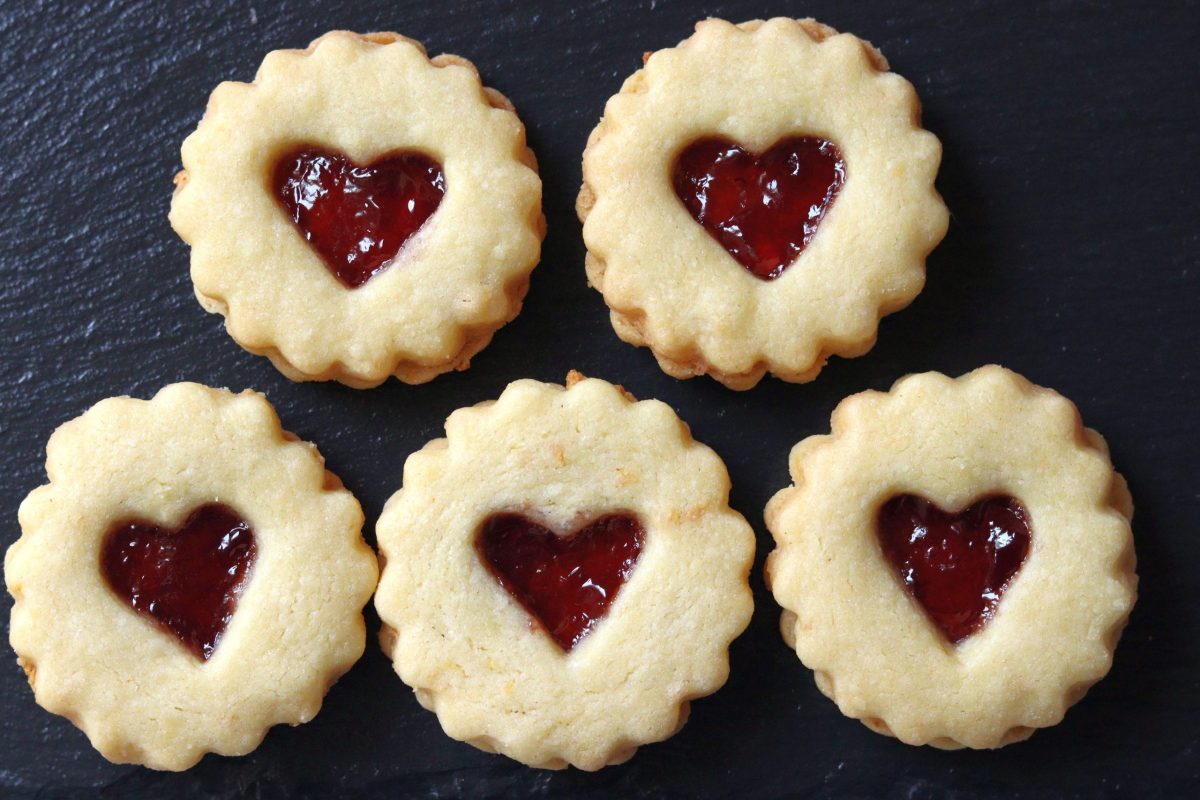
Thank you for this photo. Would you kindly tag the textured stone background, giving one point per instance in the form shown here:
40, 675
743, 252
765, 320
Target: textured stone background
1070, 168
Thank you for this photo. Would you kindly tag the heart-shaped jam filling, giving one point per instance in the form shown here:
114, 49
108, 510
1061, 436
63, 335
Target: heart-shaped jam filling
763, 209
187, 580
566, 583
955, 565
357, 217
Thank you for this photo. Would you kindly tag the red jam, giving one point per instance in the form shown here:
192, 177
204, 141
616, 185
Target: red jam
357, 217
566, 583
187, 580
956, 565
763, 209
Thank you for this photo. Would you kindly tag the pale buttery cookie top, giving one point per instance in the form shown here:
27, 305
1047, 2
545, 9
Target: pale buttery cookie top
190, 576
563, 574
360, 210
955, 561
755, 199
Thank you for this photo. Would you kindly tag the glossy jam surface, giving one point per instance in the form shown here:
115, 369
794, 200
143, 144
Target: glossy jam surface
566, 583
188, 580
357, 217
955, 565
763, 209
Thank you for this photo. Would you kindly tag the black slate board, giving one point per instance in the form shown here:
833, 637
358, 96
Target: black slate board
1070, 134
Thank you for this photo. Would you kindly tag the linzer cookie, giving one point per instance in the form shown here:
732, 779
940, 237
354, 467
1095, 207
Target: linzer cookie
563, 574
190, 576
755, 199
360, 210
955, 561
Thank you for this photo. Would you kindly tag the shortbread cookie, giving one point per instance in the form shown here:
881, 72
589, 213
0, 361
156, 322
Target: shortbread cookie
955, 561
190, 576
755, 199
360, 210
563, 574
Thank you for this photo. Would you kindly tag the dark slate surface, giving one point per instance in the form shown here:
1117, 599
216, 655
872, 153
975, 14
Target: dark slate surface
1071, 170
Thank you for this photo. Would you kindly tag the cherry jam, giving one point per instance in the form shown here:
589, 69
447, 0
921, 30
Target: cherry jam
187, 580
763, 209
567, 583
956, 566
357, 217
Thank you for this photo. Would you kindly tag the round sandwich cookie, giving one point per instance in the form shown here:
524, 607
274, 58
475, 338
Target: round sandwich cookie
563, 574
190, 576
954, 561
755, 199
360, 210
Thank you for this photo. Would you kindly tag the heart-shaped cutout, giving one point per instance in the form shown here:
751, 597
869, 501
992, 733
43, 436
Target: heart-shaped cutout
955, 565
187, 580
763, 209
357, 217
566, 583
